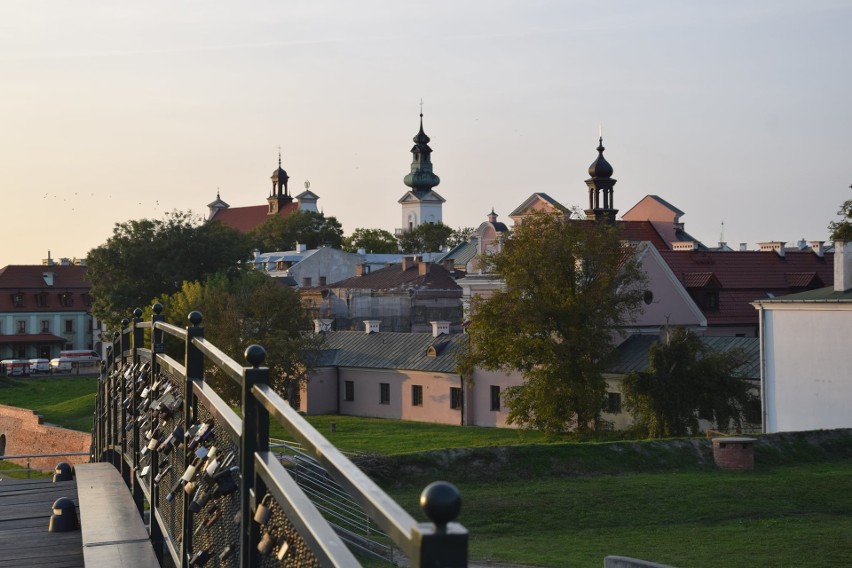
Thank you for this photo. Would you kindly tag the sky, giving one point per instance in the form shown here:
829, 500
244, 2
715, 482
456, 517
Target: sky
737, 112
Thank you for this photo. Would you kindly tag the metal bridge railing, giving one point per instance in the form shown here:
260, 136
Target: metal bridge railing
218, 494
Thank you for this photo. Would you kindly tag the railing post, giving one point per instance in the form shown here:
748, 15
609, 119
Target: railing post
127, 469
154, 488
255, 438
194, 364
441, 543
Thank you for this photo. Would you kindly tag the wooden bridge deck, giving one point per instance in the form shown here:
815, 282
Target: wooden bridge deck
25, 510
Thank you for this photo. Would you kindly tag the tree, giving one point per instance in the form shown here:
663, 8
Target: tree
249, 307
146, 258
304, 227
371, 240
428, 237
459, 236
568, 284
687, 381
842, 230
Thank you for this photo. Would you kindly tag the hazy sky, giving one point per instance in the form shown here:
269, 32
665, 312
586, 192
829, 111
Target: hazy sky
737, 112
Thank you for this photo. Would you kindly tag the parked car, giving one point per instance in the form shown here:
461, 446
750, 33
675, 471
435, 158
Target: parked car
39, 366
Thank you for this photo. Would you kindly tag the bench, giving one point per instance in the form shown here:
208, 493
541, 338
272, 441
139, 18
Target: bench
113, 533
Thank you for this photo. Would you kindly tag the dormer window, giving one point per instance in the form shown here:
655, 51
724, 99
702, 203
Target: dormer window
41, 300
66, 299
17, 299
712, 300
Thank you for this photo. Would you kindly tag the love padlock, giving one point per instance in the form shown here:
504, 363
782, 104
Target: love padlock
266, 544
263, 512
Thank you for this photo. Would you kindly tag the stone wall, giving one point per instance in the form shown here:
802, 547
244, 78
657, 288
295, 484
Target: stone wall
23, 432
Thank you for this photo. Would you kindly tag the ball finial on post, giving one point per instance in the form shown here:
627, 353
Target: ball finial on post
195, 318
255, 355
158, 308
137, 313
441, 502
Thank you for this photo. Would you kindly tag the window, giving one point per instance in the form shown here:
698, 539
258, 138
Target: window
322, 280
455, 398
45, 326
712, 300
416, 395
22, 326
69, 326
384, 393
17, 300
349, 391
306, 282
66, 300
41, 300
495, 397
613, 403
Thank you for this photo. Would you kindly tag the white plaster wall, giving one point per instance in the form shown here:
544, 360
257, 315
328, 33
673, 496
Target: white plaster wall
807, 369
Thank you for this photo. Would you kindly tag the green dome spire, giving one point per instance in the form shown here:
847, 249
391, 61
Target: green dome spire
421, 178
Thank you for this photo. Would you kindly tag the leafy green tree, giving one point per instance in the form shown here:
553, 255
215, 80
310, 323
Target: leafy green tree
371, 240
249, 307
304, 227
459, 236
842, 230
146, 258
428, 237
568, 284
687, 381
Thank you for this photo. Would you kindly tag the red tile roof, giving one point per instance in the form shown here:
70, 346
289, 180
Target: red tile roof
746, 276
244, 219
637, 231
29, 281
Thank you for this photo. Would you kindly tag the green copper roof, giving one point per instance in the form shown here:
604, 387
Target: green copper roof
421, 178
827, 294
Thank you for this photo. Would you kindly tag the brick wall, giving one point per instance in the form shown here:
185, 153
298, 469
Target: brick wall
24, 432
734, 453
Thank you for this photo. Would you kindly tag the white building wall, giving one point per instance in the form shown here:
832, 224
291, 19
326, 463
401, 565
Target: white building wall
807, 367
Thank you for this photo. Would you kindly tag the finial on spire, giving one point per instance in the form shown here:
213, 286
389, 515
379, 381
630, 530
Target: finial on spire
279, 155
421, 107
307, 184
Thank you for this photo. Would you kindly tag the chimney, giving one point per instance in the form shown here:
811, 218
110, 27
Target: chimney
408, 262
372, 326
322, 325
440, 328
362, 251
818, 247
777, 246
301, 247
359, 270
684, 245
743, 247
424, 268
842, 266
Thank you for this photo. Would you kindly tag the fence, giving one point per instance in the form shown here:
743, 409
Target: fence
215, 490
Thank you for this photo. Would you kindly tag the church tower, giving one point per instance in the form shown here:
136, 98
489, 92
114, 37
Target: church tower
600, 186
279, 197
421, 204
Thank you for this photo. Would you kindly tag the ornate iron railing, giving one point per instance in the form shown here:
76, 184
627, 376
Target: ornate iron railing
217, 494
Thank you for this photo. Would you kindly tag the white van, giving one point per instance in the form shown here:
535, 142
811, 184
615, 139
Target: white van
39, 366
80, 355
61, 365
15, 367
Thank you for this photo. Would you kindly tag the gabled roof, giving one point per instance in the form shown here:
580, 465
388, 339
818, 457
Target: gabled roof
747, 276
633, 353
661, 201
391, 350
460, 254
244, 219
639, 231
417, 197
395, 278
700, 280
520, 209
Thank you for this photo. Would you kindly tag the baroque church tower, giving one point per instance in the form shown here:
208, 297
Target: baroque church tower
421, 204
600, 186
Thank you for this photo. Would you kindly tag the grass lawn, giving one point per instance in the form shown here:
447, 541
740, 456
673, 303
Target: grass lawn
794, 515
64, 400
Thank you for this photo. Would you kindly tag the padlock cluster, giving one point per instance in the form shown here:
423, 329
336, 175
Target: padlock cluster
273, 541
